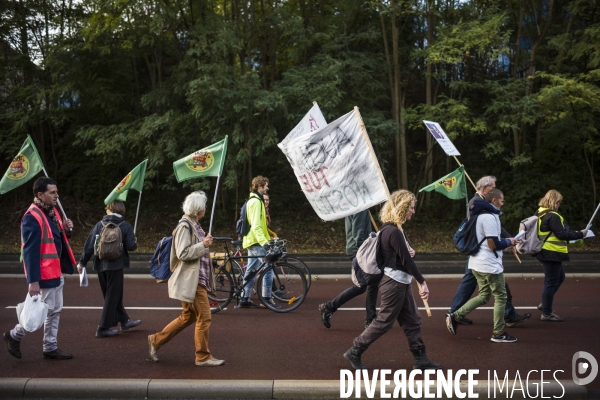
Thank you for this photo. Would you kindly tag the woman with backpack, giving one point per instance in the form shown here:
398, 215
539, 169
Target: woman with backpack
555, 234
397, 301
110, 241
191, 282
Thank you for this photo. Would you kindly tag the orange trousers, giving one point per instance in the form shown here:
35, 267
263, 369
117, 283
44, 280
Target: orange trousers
198, 312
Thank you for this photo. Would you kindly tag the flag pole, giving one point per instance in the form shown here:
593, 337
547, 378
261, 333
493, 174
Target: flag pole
137, 213
57, 200
212, 213
387, 191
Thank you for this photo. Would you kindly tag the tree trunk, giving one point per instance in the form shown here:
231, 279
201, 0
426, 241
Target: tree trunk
518, 42
428, 136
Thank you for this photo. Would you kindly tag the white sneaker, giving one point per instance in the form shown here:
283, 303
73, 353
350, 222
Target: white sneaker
213, 362
151, 350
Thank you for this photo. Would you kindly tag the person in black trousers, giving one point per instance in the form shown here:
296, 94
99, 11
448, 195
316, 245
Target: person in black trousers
110, 272
358, 228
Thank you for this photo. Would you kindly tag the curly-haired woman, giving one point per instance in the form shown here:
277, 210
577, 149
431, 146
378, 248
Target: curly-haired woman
397, 301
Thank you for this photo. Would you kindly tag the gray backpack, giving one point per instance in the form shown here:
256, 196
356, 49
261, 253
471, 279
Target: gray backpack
530, 242
110, 244
367, 268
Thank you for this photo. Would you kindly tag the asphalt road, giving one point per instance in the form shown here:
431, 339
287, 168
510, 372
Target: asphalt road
260, 344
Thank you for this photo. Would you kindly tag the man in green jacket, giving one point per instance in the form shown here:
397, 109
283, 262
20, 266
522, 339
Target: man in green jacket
255, 241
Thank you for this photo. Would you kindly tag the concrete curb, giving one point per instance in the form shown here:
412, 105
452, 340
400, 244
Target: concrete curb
346, 276
255, 389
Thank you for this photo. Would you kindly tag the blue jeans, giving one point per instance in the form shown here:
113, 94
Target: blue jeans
254, 263
467, 288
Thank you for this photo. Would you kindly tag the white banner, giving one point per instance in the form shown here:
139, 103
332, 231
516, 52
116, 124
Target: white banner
311, 122
441, 137
337, 169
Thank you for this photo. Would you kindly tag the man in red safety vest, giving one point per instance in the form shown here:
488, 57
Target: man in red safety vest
46, 256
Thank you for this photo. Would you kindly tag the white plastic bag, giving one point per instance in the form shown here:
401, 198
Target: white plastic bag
32, 313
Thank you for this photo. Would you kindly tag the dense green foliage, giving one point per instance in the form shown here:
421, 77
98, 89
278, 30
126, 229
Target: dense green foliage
102, 84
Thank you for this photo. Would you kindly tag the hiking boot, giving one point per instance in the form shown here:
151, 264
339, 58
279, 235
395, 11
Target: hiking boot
248, 304
152, 350
551, 318
465, 321
353, 356
130, 324
213, 362
518, 319
13, 346
421, 360
503, 338
102, 333
57, 355
269, 301
451, 323
325, 315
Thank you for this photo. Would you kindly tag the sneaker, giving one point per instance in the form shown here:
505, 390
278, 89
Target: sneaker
248, 304
13, 346
269, 301
325, 315
465, 321
539, 307
152, 350
213, 362
451, 323
503, 338
57, 355
518, 319
551, 318
280, 293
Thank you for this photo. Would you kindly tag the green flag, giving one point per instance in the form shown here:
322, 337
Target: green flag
23, 167
453, 185
134, 180
205, 162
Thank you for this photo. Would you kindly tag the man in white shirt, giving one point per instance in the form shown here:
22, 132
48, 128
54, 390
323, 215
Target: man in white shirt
486, 266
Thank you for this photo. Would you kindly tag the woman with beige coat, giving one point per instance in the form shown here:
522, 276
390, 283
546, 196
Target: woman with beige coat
192, 280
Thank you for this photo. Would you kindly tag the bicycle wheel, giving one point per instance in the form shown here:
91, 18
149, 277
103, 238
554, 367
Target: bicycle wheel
224, 289
291, 287
298, 263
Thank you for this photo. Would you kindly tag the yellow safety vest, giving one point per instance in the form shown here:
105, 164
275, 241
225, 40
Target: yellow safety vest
552, 243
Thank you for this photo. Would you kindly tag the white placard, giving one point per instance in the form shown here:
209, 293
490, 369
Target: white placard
312, 121
336, 169
441, 137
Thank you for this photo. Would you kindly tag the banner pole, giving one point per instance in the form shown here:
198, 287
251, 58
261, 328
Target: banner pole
373, 222
365, 136
212, 213
137, 213
57, 200
459, 164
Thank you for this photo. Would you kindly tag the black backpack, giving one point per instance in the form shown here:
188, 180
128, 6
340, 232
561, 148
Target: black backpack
465, 238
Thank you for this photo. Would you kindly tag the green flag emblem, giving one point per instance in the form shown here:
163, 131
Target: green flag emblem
453, 185
133, 180
208, 161
23, 167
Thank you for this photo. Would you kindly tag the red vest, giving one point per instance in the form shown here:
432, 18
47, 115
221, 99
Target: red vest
49, 260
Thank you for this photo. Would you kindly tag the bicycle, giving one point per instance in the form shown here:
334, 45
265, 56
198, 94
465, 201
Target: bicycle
240, 267
290, 282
